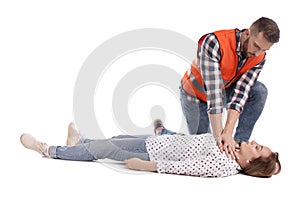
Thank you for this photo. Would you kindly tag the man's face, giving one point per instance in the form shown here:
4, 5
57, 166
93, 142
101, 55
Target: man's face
255, 45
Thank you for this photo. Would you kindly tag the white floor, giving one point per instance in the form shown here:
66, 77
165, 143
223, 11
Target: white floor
27, 175
43, 46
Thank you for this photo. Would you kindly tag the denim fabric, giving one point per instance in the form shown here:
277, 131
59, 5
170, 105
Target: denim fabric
195, 112
167, 132
251, 112
118, 148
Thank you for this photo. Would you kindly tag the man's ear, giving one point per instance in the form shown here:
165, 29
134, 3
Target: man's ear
247, 31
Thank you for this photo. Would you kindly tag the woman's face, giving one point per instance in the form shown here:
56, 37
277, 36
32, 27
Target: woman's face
252, 150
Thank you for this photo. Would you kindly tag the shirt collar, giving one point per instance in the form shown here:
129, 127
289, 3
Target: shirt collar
238, 34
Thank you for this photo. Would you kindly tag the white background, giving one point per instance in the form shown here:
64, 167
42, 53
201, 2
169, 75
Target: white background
43, 45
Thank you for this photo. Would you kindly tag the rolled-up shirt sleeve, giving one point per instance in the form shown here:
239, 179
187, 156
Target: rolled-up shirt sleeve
243, 87
209, 64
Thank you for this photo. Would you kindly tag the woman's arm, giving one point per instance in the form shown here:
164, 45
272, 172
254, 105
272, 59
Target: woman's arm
138, 164
207, 166
203, 166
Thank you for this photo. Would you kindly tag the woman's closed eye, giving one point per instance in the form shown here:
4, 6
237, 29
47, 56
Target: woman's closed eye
259, 147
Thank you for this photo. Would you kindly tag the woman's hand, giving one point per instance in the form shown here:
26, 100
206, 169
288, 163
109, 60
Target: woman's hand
138, 164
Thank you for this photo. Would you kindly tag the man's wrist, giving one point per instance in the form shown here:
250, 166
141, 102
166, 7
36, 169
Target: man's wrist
227, 131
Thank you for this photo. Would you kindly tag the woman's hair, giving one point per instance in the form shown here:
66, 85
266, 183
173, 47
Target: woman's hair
269, 28
264, 166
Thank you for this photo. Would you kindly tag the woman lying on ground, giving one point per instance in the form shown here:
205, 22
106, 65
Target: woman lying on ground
196, 155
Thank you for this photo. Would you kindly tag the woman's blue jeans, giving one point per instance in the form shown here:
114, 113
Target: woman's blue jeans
117, 148
195, 112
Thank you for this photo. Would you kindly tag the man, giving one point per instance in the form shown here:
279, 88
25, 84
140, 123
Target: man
225, 74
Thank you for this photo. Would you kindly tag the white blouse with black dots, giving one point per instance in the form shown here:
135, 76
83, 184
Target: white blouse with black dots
196, 155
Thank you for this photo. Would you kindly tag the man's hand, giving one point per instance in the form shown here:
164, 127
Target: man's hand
138, 164
226, 143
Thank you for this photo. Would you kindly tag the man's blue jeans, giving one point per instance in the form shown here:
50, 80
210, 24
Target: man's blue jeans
195, 111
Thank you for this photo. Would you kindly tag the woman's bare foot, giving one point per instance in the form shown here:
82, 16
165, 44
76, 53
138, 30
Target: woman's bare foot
73, 135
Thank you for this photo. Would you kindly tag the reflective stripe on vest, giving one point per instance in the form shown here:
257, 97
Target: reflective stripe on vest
192, 81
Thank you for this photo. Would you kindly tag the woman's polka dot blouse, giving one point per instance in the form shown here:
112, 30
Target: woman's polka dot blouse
196, 155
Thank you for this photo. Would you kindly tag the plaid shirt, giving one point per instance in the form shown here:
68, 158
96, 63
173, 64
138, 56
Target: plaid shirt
209, 63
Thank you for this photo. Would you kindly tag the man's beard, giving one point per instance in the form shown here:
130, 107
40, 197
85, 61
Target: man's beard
244, 52
244, 48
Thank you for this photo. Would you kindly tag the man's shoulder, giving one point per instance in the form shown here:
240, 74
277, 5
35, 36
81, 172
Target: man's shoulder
225, 32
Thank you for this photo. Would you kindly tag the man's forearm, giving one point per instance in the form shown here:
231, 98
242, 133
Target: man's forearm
216, 124
232, 117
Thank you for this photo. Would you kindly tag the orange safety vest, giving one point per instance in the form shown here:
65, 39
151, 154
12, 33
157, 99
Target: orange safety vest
192, 81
